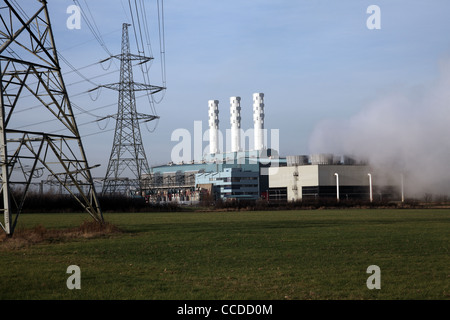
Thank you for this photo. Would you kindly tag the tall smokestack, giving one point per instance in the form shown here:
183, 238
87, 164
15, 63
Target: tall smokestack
213, 112
258, 120
235, 112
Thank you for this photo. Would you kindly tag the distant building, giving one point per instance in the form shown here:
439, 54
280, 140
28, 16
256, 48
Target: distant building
314, 181
235, 175
258, 173
231, 183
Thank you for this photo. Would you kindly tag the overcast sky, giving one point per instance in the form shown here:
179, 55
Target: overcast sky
313, 60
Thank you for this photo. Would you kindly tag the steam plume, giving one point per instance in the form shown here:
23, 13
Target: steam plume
403, 133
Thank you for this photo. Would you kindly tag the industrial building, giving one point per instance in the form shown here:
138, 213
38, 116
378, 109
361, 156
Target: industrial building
319, 176
231, 183
258, 173
237, 174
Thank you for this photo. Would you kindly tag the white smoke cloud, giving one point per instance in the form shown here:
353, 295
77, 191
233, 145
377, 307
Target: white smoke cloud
406, 132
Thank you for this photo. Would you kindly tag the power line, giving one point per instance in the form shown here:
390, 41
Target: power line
139, 15
73, 70
76, 106
139, 26
146, 28
134, 25
162, 41
90, 21
104, 131
93, 28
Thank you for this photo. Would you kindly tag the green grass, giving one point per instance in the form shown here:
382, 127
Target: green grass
317, 254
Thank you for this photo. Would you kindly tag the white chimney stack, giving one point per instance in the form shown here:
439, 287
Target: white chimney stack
213, 112
235, 112
258, 120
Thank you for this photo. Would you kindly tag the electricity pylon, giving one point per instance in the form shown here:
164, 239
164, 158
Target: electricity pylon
33, 94
127, 162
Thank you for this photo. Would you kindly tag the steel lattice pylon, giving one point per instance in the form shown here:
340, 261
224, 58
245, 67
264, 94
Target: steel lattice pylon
33, 94
127, 162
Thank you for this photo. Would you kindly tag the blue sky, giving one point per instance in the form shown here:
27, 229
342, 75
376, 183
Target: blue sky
313, 60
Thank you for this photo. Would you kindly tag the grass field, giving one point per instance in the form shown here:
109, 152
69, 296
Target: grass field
306, 254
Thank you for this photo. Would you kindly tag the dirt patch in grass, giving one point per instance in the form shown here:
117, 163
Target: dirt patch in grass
39, 234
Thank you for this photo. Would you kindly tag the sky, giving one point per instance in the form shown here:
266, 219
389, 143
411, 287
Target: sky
318, 64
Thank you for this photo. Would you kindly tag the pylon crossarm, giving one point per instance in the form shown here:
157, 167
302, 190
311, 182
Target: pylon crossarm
130, 57
2, 57
147, 117
38, 136
76, 171
136, 86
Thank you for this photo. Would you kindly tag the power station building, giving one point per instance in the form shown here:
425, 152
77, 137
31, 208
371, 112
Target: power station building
233, 174
231, 183
319, 176
258, 173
